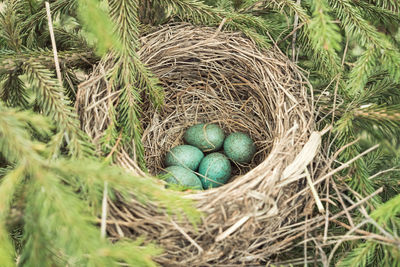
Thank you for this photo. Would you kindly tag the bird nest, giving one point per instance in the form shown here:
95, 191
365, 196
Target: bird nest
224, 78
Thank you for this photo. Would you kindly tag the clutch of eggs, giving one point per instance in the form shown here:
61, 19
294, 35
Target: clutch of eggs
213, 169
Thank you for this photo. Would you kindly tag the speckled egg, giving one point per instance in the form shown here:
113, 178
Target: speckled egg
239, 147
208, 137
185, 156
214, 170
182, 176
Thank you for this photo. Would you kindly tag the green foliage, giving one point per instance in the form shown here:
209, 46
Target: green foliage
8, 187
387, 211
361, 256
53, 103
201, 14
350, 49
63, 184
59, 227
90, 11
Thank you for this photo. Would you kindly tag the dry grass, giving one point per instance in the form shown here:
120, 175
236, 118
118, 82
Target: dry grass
220, 77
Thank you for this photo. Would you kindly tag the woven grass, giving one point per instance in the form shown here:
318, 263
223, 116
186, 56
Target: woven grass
223, 78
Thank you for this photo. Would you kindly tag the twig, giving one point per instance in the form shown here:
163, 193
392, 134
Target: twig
342, 203
362, 232
295, 24
327, 212
343, 166
232, 229
291, 33
305, 243
337, 245
114, 147
337, 82
104, 211
377, 192
200, 249
314, 192
53, 43
340, 213
382, 172
324, 259
373, 222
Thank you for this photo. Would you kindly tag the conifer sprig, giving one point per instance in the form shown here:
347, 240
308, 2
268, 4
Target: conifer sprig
11, 62
8, 186
290, 7
355, 25
364, 67
392, 5
371, 12
13, 91
52, 100
201, 14
124, 75
328, 43
128, 31
58, 224
37, 19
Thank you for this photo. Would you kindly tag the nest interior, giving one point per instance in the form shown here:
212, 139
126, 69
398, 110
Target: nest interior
224, 78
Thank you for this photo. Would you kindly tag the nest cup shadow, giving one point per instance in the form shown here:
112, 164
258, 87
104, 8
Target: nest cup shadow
222, 78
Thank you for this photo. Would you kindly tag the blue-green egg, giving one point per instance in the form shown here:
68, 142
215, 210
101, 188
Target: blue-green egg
185, 156
208, 137
182, 176
214, 170
239, 147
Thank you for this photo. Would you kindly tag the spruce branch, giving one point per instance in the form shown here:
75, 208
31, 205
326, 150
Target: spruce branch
54, 210
391, 5
380, 89
68, 40
129, 113
51, 97
11, 62
387, 211
37, 20
6, 248
359, 257
376, 43
10, 30
355, 25
124, 15
324, 37
321, 25
290, 7
102, 31
70, 83
373, 11
130, 76
389, 59
58, 229
358, 180
14, 141
201, 14
13, 92
8, 187
390, 114
363, 69
119, 180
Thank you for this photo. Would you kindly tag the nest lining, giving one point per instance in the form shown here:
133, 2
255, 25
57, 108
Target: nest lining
223, 78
